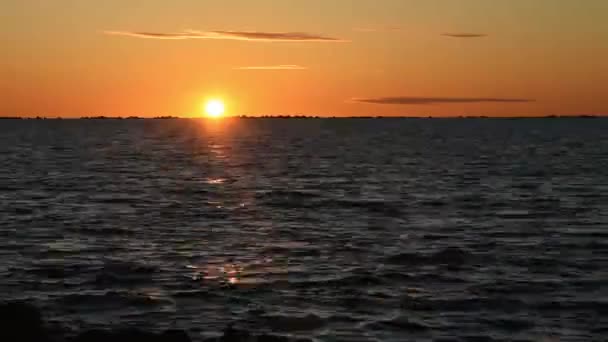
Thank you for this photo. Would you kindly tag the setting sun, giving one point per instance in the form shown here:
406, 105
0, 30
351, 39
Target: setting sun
214, 108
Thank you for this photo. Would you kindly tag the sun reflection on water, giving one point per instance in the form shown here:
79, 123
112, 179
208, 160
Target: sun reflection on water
236, 273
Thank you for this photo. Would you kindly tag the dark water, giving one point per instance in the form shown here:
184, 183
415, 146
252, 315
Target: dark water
341, 230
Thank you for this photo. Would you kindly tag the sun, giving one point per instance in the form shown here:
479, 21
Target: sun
214, 108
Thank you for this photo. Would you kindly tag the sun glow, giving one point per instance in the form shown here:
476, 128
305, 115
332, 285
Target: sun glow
214, 108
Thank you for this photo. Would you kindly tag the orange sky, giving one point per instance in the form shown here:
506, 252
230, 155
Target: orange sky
317, 57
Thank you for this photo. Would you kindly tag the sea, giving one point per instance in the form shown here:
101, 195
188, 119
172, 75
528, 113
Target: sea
326, 229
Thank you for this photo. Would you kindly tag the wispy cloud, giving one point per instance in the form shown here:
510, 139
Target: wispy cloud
464, 35
378, 29
231, 35
273, 67
152, 35
407, 100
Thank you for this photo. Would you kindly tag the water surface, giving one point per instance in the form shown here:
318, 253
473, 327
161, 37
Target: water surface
338, 230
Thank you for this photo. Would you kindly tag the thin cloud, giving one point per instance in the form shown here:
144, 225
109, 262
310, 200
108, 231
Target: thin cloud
406, 100
153, 35
231, 35
274, 36
273, 67
378, 29
464, 35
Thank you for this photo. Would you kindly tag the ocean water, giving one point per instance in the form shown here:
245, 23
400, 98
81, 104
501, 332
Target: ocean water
337, 230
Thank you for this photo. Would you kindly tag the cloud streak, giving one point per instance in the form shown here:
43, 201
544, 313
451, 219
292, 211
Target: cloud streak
273, 67
407, 100
464, 35
230, 35
378, 29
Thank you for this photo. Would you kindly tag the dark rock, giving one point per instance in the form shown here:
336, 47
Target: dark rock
174, 336
21, 322
272, 338
235, 335
478, 338
131, 335
93, 336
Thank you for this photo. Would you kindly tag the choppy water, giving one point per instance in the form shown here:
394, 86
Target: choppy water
341, 230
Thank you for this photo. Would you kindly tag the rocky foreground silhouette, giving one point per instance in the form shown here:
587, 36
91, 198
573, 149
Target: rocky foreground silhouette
21, 322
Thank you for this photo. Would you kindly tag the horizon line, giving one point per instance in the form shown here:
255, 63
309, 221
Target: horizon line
171, 117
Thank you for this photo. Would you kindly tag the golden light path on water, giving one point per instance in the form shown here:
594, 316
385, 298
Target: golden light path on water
247, 266
235, 273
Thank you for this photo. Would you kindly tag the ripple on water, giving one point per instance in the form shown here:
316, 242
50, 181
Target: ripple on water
287, 323
450, 256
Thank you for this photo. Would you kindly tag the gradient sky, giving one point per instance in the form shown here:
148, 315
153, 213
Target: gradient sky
316, 57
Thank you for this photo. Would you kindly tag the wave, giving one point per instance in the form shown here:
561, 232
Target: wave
510, 325
313, 200
287, 323
351, 280
450, 256
500, 304
100, 230
598, 307
113, 299
400, 323
120, 272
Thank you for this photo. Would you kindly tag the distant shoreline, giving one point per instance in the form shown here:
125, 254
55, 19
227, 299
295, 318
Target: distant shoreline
598, 116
